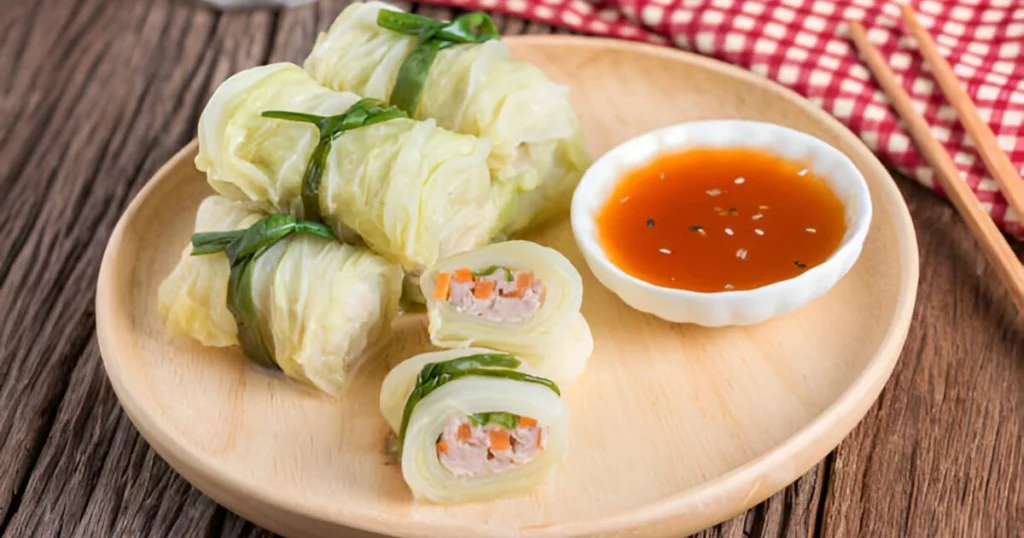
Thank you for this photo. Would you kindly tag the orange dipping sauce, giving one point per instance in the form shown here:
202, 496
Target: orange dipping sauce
713, 220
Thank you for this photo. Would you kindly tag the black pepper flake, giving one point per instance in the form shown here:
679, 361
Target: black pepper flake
696, 228
733, 211
650, 223
800, 264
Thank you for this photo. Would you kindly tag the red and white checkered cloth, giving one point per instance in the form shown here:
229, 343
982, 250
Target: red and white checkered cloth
802, 44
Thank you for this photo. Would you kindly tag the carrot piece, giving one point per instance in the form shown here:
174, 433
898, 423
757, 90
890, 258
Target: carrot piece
444, 281
540, 442
516, 293
484, 289
442, 446
527, 422
523, 282
464, 433
463, 275
500, 440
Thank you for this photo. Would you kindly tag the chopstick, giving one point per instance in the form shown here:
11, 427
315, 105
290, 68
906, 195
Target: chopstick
996, 161
999, 253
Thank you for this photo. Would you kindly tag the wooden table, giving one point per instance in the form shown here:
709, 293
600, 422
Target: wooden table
96, 94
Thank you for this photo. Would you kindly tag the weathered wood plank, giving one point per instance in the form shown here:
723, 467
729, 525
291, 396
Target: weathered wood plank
47, 323
99, 93
792, 512
118, 94
942, 452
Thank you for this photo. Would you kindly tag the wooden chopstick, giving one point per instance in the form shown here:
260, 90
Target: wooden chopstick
1009, 268
996, 161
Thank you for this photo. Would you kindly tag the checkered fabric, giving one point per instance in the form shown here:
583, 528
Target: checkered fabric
803, 45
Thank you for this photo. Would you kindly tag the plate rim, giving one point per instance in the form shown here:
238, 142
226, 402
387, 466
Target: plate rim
815, 438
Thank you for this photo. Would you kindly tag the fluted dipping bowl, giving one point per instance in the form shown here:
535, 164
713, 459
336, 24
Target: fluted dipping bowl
740, 307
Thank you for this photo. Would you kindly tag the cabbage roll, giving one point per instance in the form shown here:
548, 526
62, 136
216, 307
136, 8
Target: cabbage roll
477, 89
316, 306
473, 424
516, 296
412, 191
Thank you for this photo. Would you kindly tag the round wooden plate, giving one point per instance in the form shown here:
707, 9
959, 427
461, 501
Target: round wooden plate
675, 427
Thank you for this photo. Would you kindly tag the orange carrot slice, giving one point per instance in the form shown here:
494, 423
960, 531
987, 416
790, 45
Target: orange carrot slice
442, 446
516, 293
524, 280
484, 289
464, 433
500, 440
527, 422
463, 275
540, 442
444, 280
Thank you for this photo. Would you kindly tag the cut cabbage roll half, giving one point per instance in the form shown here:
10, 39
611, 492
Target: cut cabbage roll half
414, 192
516, 296
293, 297
473, 424
465, 78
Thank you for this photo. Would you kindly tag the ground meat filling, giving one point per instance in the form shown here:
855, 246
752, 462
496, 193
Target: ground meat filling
469, 447
494, 293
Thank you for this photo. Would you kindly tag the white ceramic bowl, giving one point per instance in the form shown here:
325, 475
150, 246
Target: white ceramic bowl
743, 307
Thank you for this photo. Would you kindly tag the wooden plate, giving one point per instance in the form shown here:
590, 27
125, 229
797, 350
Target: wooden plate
675, 427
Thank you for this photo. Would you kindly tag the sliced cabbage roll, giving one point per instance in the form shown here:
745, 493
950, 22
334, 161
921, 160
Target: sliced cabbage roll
412, 191
473, 424
516, 296
476, 89
314, 307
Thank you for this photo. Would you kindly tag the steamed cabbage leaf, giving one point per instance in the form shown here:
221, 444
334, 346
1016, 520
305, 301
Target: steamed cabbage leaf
412, 191
475, 89
426, 476
322, 305
193, 298
555, 339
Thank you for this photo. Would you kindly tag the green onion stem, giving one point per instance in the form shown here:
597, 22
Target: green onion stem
364, 112
243, 248
433, 36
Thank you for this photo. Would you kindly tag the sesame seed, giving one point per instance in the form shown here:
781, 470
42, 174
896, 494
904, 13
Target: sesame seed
738, 181
729, 287
799, 263
622, 201
811, 230
757, 217
728, 231
664, 251
762, 207
741, 254
733, 211
802, 172
714, 192
758, 231
696, 228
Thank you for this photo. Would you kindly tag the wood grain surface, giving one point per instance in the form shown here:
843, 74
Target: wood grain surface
96, 94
